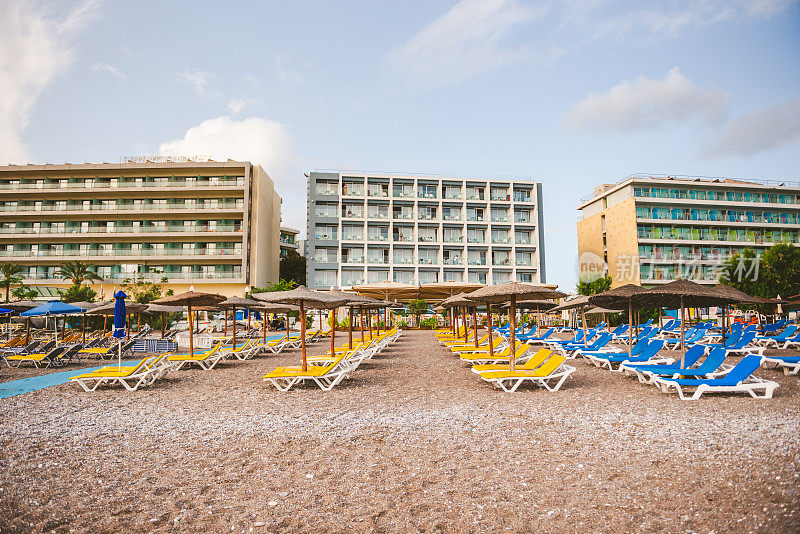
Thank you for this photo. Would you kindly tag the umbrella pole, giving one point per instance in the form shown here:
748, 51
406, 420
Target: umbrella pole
333, 333
225, 313
321, 328
513, 313
361, 321
191, 332
683, 339
475, 323
63, 326
28, 331
350, 328
287, 327
163, 323
248, 319
264, 327
724, 324
386, 318
630, 328
489, 327
303, 334
234, 328
104, 325
83, 329
583, 321
369, 322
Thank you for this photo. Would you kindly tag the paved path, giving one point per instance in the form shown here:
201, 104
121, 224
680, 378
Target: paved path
26, 385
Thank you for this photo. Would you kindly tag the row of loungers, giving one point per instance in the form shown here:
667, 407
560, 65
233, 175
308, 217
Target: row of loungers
542, 368
330, 368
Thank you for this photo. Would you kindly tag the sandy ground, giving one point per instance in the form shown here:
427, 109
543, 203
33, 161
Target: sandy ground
412, 442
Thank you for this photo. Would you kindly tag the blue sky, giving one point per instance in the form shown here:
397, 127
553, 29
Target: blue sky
571, 93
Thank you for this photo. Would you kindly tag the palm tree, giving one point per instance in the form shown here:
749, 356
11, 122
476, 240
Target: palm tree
10, 272
77, 271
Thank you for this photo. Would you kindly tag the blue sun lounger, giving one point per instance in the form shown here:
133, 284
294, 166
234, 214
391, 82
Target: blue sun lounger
713, 365
613, 362
740, 379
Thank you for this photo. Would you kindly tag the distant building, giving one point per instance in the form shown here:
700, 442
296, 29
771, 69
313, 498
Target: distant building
366, 227
211, 225
652, 229
289, 241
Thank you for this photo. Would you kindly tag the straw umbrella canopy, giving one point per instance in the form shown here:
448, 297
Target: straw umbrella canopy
388, 290
231, 303
682, 294
302, 296
163, 310
191, 299
511, 292
620, 297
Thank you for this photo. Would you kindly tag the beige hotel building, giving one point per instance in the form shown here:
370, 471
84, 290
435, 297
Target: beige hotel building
651, 229
211, 225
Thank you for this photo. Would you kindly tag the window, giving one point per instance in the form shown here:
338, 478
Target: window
476, 257
403, 233
426, 191
428, 234
353, 189
427, 212
403, 190
352, 255
500, 257
325, 255
477, 277
451, 213
475, 193
499, 193
377, 276
428, 256
523, 259
378, 211
452, 191
452, 257
428, 277
378, 233
453, 276
499, 215
326, 188
500, 236
526, 278
475, 214
378, 256
403, 212
378, 190
453, 235
352, 278
522, 195
522, 216
501, 277
403, 276
352, 232
326, 210
522, 237
350, 211
325, 277
476, 235
403, 256
325, 231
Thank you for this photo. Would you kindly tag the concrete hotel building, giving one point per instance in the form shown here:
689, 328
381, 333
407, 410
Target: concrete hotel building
214, 225
289, 241
652, 229
365, 228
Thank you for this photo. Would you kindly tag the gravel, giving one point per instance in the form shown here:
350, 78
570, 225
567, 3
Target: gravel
412, 441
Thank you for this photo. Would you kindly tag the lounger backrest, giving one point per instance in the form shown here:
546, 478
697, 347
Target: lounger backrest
693, 355
553, 363
788, 332
651, 349
547, 334
741, 371
712, 362
537, 359
639, 346
601, 341
745, 340
521, 348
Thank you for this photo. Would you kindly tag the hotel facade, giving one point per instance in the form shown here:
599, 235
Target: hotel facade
652, 229
211, 225
367, 227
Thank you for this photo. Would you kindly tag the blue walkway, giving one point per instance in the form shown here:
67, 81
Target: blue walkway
34, 383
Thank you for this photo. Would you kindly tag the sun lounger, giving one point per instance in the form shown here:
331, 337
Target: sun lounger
789, 364
326, 377
533, 361
130, 377
647, 372
613, 361
777, 339
481, 341
497, 344
551, 375
473, 358
205, 360
740, 379
38, 359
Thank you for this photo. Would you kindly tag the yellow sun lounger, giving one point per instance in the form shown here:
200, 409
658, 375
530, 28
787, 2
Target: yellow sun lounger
477, 358
132, 377
551, 375
532, 363
470, 347
206, 360
481, 340
326, 377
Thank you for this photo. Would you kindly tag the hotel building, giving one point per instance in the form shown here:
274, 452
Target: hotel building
369, 227
289, 241
211, 225
651, 229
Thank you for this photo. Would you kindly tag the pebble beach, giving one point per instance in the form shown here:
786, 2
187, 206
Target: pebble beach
413, 441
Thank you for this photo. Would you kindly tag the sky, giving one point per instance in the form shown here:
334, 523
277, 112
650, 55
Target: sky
571, 93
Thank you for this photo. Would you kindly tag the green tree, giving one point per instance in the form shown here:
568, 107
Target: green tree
417, 307
280, 285
143, 291
77, 271
77, 293
24, 292
597, 285
774, 272
293, 268
10, 271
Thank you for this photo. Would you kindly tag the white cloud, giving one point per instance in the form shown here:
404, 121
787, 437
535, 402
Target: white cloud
760, 131
647, 104
197, 78
36, 46
262, 141
236, 105
111, 69
465, 41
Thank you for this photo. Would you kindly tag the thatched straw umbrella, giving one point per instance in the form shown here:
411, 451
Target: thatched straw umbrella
191, 299
302, 296
681, 294
619, 298
231, 303
511, 292
21, 306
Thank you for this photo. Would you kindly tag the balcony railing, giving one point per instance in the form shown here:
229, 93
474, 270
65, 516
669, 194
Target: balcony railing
427, 238
78, 253
407, 215
501, 240
376, 237
118, 229
148, 276
96, 184
379, 215
117, 207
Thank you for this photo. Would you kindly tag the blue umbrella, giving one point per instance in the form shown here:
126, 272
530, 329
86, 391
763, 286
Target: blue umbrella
54, 307
119, 322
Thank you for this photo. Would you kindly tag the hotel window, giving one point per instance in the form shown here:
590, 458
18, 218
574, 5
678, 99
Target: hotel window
453, 235
378, 190
427, 213
500, 257
326, 188
428, 277
325, 277
326, 231
500, 236
403, 212
352, 255
427, 256
452, 191
499, 215
378, 255
374, 277
403, 190
522, 195
426, 191
452, 257
499, 193
523, 259
477, 277
522, 237
428, 234
353, 189
476, 235
403, 276
450, 213
522, 216
378, 211
453, 276
526, 278
378, 233
501, 277
476, 257
403, 256
352, 211
475, 193
475, 214
352, 278
325, 210
353, 232
403, 233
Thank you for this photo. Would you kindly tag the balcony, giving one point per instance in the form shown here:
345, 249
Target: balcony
378, 192
500, 261
355, 260
404, 216
117, 230
62, 208
477, 262
500, 218
453, 261
404, 261
476, 239
352, 237
193, 183
501, 240
427, 216
454, 239
378, 215
112, 253
452, 217
427, 238
378, 261
403, 193
426, 261
379, 237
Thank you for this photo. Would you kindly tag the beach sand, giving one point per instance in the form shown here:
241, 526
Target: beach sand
413, 441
